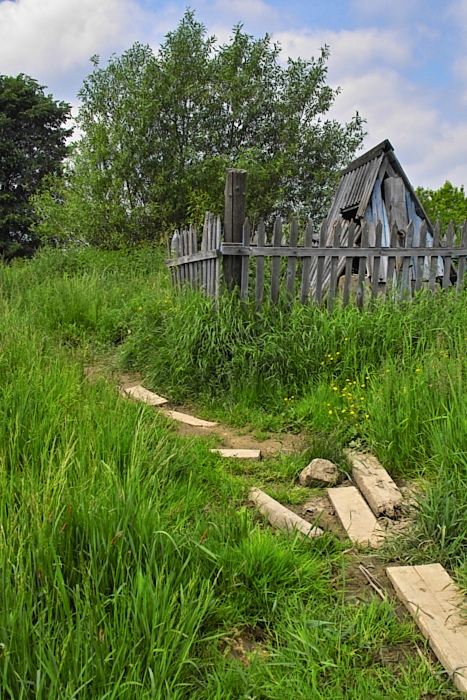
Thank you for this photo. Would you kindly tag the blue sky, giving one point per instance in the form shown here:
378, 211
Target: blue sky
401, 64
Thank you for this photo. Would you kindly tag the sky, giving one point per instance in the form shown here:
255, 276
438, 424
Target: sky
401, 64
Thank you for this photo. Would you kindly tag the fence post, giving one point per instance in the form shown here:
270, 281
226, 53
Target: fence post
234, 218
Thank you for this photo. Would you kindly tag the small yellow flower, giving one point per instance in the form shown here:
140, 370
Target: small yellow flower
418, 370
367, 377
328, 404
334, 388
366, 415
347, 338
362, 386
388, 370
362, 398
331, 358
322, 362
344, 410
354, 382
337, 353
352, 413
330, 412
140, 308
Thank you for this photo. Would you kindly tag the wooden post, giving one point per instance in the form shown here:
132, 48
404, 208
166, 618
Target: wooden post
234, 218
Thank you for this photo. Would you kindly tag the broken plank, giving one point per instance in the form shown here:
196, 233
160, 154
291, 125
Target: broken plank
379, 490
190, 420
355, 516
281, 517
432, 598
238, 454
139, 393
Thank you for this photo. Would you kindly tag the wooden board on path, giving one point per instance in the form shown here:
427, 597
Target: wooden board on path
190, 420
139, 393
281, 517
238, 454
356, 518
379, 490
432, 598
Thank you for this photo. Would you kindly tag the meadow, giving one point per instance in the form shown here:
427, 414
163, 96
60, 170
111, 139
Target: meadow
130, 563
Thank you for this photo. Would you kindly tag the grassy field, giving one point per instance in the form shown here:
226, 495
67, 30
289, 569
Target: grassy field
130, 566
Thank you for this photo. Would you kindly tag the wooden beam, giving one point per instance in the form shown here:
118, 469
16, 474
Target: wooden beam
379, 490
234, 218
139, 393
190, 420
281, 517
301, 252
357, 519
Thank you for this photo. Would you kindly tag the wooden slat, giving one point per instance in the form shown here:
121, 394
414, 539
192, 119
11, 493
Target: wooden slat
259, 282
462, 260
349, 262
336, 240
276, 261
446, 257
190, 420
406, 289
292, 262
433, 258
420, 261
237, 454
245, 262
362, 267
357, 519
432, 598
331, 251
217, 264
211, 263
281, 517
320, 265
139, 393
376, 260
391, 282
306, 266
379, 490
208, 255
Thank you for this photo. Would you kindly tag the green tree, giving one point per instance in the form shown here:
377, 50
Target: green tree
448, 203
160, 130
32, 145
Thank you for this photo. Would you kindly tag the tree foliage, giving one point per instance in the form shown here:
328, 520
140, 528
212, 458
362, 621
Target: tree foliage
448, 203
160, 130
32, 145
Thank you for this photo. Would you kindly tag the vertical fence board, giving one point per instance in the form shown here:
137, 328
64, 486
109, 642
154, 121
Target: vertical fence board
320, 266
376, 260
461, 264
391, 278
306, 265
348, 264
336, 241
434, 258
245, 262
276, 261
406, 287
362, 267
420, 261
259, 282
217, 262
447, 258
292, 262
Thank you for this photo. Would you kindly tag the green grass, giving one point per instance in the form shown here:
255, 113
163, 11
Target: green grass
128, 557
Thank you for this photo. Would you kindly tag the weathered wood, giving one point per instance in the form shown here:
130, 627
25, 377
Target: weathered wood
349, 262
391, 281
208, 255
234, 217
217, 245
331, 251
292, 262
434, 258
281, 517
320, 265
336, 241
259, 282
355, 516
462, 260
379, 490
237, 454
376, 260
435, 602
446, 257
394, 196
406, 289
276, 261
245, 262
139, 393
420, 261
190, 420
306, 266
362, 267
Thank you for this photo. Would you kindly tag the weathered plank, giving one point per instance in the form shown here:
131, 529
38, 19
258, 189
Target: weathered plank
434, 258
349, 262
306, 267
234, 216
420, 261
336, 239
406, 290
446, 257
259, 282
292, 262
281, 517
362, 267
432, 598
245, 262
190, 420
355, 516
276, 261
320, 265
238, 454
461, 264
376, 260
139, 393
379, 490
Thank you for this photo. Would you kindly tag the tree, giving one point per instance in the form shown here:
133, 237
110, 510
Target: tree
446, 204
160, 130
32, 145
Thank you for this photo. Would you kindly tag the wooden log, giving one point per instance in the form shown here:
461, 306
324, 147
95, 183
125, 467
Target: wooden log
462, 258
281, 517
276, 261
379, 490
292, 262
245, 262
355, 516
234, 217
259, 282
139, 393
237, 454
435, 602
306, 266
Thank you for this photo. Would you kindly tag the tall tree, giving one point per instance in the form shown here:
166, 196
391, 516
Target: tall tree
160, 130
448, 203
32, 145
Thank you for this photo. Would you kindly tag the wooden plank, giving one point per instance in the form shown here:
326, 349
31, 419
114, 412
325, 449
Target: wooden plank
139, 393
306, 266
281, 517
245, 262
379, 490
349, 262
391, 282
376, 260
420, 261
320, 265
336, 240
362, 267
234, 217
432, 598
434, 258
276, 261
190, 420
208, 255
217, 245
292, 262
462, 260
330, 251
396, 207
238, 454
356, 517
406, 290
446, 257
259, 282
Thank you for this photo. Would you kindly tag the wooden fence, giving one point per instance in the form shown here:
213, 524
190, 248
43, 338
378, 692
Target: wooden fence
315, 271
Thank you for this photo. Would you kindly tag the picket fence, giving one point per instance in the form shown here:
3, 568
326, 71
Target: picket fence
354, 268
